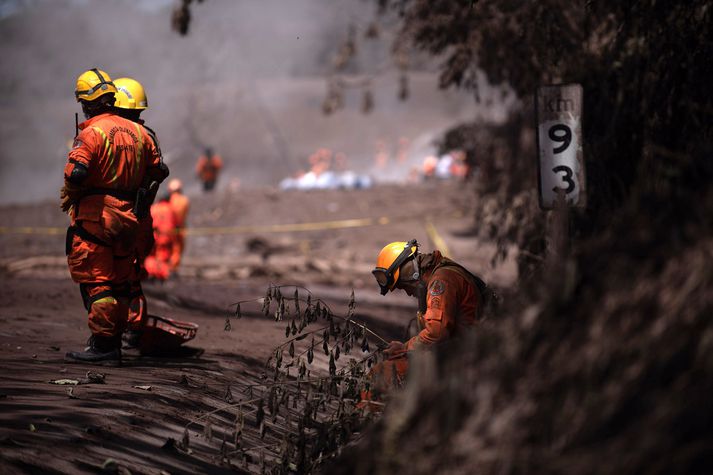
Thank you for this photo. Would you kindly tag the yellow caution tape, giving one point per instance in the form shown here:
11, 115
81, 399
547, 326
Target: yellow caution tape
438, 242
286, 228
205, 231
32, 230
267, 228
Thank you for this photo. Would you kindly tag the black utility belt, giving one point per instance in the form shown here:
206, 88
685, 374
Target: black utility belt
126, 195
78, 230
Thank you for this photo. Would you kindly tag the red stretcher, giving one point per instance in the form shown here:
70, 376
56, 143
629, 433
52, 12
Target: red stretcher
163, 334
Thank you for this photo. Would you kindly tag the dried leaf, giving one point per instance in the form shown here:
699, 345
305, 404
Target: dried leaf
93, 378
224, 447
227, 327
266, 302
185, 440
278, 357
260, 412
336, 352
110, 466
292, 349
332, 365
365, 345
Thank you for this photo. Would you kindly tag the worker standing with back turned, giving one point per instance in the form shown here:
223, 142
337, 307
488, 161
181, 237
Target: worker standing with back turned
102, 193
208, 168
131, 101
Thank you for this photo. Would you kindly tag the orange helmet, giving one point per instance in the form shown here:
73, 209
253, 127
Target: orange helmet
389, 262
175, 185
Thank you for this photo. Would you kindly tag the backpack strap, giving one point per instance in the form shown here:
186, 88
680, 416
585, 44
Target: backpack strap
487, 296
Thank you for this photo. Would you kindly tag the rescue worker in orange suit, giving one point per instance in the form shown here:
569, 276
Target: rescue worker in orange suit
180, 205
131, 101
105, 170
208, 169
451, 300
158, 263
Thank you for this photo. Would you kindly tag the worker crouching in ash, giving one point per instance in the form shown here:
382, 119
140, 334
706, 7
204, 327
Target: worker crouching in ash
451, 301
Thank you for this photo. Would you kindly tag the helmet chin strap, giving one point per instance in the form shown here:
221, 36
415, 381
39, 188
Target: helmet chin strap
416, 270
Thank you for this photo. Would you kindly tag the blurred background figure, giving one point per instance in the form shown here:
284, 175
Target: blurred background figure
429, 167
158, 263
180, 205
403, 150
208, 168
381, 158
460, 168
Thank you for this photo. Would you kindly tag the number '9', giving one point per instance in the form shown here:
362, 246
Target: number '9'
562, 134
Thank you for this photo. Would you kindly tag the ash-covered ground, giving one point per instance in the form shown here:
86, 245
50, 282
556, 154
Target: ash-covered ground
234, 250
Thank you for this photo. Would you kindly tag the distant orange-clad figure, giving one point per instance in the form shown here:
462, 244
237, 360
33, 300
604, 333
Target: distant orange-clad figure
208, 168
403, 150
158, 263
180, 205
382, 155
460, 168
429, 166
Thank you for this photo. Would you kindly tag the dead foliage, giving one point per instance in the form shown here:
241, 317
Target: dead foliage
305, 408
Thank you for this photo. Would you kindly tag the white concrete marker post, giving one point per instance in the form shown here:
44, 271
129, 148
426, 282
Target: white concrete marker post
559, 143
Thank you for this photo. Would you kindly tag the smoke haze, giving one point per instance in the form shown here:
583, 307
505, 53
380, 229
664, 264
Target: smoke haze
248, 80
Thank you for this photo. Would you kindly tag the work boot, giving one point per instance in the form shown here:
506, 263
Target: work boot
132, 339
101, 350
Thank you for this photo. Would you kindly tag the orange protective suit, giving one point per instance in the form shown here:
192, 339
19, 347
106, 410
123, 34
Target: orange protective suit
180, 205
453, 304
158, 263
138, 306
116, 154
207, 169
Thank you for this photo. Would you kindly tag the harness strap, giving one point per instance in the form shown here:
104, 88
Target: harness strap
78, 230
126, 195
485, 292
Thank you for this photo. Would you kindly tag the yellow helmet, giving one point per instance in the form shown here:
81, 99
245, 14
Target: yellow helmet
93, 84
130, 94
389, 262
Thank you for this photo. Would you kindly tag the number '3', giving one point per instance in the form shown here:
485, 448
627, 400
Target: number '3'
567, 178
